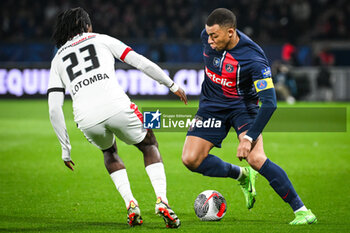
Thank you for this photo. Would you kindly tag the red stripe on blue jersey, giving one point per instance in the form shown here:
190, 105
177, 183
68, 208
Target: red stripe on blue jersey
227, 82
229, 70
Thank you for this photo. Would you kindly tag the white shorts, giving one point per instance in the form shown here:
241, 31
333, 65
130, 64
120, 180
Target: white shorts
127, 125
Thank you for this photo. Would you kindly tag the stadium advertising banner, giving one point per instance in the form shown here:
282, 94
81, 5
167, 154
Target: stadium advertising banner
33, 82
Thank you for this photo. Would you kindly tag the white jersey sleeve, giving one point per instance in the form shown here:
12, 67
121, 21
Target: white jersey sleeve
127, 55
149, 68
118, 48
56, 90
55, 82
55, 101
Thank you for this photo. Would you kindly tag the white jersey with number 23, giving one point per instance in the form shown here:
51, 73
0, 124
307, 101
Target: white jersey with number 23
85, 66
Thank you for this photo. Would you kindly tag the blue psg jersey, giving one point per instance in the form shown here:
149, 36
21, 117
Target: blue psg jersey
230, 74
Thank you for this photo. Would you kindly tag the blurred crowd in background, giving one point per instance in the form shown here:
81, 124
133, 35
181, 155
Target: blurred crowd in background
169, 30
291, 32
266, 21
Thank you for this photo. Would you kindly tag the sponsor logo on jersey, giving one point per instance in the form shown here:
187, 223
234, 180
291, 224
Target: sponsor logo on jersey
86, 82
83, 39
266, 73
75, 43
216, 62
229, 68
218, 79
263, 84
152, 120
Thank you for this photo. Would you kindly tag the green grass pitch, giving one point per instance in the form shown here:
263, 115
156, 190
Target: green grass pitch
39, 194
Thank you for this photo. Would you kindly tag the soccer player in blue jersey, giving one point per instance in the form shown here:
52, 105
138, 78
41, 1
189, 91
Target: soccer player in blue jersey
237, 76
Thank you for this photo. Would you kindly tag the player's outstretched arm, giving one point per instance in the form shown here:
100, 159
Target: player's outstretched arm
125, 54
55, 101
268, 106
155, 72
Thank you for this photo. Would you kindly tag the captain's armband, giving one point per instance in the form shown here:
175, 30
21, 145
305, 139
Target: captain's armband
263, 84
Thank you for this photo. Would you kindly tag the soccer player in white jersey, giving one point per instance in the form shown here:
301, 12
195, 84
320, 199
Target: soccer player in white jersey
84, 64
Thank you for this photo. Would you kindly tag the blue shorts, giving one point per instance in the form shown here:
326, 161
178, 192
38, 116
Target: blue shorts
240, 118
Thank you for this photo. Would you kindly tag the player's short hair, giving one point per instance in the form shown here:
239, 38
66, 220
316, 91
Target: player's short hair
70, 23
222, 17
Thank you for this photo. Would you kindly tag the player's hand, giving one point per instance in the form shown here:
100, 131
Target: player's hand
244, 149
181, 93
69, 164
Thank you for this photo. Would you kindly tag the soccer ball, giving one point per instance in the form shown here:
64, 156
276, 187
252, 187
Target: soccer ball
210, 205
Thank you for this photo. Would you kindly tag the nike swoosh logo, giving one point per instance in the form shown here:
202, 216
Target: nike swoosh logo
242, 126
205, 54
286, 195
212, 195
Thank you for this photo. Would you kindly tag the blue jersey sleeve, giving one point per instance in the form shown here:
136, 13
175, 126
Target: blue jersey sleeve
268, 106
204, 36
262, 79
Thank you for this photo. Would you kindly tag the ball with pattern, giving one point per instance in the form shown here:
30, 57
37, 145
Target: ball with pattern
210, 205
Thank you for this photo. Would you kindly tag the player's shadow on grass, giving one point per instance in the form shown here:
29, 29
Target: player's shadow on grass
70, 226
46, 224
257, 221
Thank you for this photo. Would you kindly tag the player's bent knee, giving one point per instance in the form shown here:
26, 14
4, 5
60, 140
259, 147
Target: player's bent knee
191, 161
256, 160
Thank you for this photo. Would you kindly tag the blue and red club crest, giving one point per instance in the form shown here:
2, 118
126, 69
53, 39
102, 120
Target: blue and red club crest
229, 68
261, 84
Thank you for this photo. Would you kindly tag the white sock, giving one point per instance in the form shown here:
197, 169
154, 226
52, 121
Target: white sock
240, 173
121, 181
303, 208
156, 174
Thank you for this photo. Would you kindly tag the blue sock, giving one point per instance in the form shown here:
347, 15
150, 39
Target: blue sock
213, 166
280, 182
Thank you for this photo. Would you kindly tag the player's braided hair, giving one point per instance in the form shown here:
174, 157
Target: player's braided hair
69, 24
222, 17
